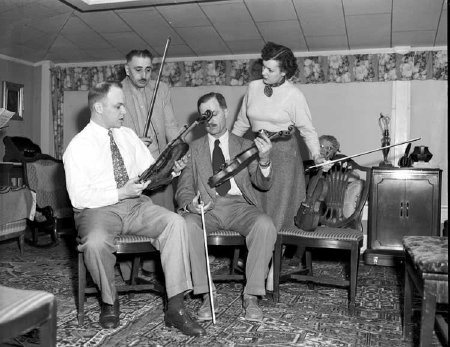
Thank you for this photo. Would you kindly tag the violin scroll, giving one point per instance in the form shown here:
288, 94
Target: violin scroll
205, 117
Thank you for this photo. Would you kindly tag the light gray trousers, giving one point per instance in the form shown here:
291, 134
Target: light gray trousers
236, 214
97, 228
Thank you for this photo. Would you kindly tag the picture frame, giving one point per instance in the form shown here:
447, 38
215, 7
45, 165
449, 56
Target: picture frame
12, 99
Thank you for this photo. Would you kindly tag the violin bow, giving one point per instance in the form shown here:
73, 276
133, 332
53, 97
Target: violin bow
152, 102
360, 154
211, 299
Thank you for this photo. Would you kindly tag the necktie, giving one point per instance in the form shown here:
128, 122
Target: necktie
120, 172
218, 160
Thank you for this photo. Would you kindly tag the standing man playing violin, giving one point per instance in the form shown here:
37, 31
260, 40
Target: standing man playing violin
233, 205
138, 89
102, 165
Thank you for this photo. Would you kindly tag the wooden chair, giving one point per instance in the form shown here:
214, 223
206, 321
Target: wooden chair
230, 239
126, 244
47, 178
340, 228
24, 310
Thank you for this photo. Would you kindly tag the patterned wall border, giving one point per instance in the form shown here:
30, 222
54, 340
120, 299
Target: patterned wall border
419, 65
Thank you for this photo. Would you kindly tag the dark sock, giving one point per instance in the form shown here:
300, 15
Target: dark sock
176, 302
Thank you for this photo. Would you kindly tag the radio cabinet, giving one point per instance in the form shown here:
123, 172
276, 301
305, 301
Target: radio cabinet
402, 202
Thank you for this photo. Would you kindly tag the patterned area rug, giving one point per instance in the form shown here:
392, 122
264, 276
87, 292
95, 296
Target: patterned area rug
303, 317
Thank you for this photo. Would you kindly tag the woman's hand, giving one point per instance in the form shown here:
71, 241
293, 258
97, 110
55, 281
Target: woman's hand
264, 146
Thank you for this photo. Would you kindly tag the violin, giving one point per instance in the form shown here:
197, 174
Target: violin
242, 160
308, 215
160, 172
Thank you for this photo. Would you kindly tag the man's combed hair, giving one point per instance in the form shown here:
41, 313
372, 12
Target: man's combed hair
99, 91
143, 53
282, 54
220, 98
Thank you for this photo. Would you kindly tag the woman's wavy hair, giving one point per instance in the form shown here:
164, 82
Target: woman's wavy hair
282, 54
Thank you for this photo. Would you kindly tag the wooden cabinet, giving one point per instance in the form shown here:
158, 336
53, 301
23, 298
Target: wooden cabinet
402, 202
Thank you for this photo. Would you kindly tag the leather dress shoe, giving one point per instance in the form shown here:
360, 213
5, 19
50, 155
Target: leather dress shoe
109, 315
181, 320
252, 310
205, 312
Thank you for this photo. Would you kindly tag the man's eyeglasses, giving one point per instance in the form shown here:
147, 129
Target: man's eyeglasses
327, 148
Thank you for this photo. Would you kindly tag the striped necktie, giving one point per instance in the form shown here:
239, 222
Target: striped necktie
120, 172
218, 161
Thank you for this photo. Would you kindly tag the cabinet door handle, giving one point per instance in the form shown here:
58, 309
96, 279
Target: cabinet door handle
401, 209
407, 209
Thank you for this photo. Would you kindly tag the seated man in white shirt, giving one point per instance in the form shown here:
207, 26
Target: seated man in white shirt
232, 205
102, 165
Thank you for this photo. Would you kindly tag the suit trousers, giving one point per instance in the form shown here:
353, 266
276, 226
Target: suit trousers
97, 228
233, 212
162, 197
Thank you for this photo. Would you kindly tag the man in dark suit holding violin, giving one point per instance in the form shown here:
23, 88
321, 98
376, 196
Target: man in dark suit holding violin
232, 205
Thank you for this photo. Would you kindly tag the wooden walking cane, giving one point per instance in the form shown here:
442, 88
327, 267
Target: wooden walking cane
211, 299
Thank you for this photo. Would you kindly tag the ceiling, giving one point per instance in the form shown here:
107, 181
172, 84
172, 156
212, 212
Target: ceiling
72, 31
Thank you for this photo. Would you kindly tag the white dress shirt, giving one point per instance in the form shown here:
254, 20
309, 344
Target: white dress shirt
234, 190
89, 168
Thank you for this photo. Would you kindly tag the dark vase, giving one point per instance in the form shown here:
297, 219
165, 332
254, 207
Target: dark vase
385, 141
421, 153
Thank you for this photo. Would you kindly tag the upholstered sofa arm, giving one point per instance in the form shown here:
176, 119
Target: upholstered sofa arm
16, 204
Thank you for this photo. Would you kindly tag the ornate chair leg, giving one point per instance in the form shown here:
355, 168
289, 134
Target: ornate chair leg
21, 243
54, 230
47, 332
35, 231
234, 263
134, 273
276, 270
308, 259
81, 287
407, 305
354, 260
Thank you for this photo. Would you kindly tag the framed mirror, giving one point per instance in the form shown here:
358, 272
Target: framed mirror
12, 99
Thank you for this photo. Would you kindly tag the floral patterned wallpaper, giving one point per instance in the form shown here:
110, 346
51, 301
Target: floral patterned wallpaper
420, 65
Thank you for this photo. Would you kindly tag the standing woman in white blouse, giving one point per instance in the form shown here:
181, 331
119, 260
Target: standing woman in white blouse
274, 103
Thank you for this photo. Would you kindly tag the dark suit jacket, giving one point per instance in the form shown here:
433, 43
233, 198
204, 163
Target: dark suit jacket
198, 170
